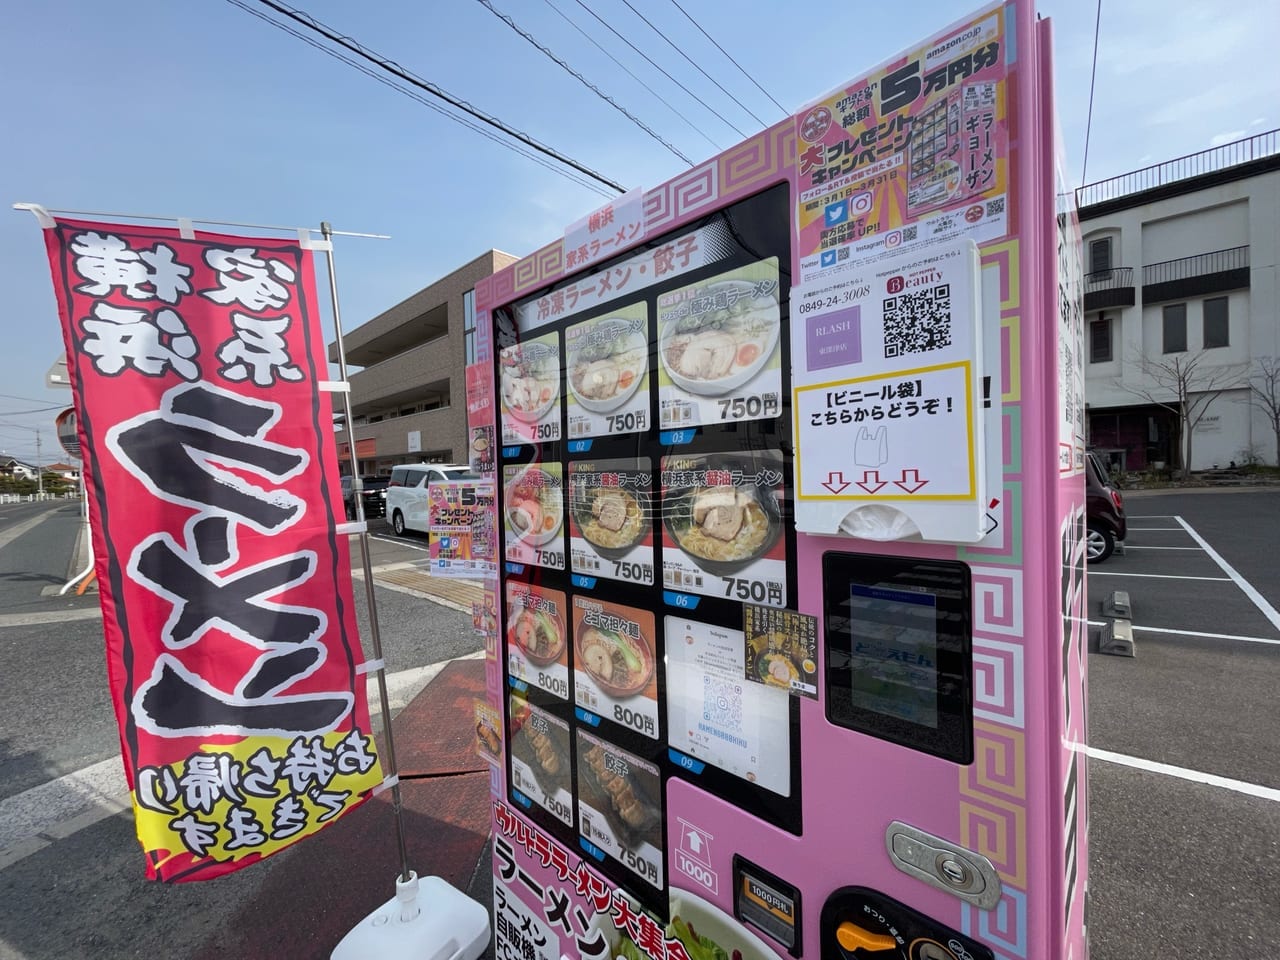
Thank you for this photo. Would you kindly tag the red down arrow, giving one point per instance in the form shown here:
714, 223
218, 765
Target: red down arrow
871, 481
836, 481
910, 481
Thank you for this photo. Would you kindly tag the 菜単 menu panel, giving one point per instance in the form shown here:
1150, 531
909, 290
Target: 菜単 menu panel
537, 638
722, 526
719, 349
607, 372
616, 663
620, 807
541, 769
611, 512
533, 514
529, 374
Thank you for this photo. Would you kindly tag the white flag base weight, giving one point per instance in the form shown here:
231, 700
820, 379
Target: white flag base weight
424, 921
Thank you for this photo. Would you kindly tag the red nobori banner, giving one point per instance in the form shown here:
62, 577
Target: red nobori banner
211, 473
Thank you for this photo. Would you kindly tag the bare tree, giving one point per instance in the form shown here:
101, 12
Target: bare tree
1264, 386
1186, 385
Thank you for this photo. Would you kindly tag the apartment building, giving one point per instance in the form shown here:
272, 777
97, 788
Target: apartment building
407, 372
1180, 273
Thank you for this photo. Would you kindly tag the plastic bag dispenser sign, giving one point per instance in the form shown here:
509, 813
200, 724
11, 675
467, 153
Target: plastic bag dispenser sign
887, 397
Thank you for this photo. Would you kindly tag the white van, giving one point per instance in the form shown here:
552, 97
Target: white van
407, 492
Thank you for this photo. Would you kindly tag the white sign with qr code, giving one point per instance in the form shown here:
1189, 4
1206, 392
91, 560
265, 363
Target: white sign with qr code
888, 398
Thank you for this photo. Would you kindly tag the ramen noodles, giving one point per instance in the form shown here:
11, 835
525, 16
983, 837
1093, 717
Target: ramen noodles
719, 523
537, 634
619, 664
610, 517
608, 364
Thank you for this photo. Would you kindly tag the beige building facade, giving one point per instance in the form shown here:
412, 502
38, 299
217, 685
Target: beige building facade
1181, 274
407, 368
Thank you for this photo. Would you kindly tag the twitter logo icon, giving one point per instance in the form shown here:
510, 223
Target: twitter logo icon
837, 213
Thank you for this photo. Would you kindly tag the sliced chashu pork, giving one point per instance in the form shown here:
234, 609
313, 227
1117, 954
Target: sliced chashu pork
610, 509
720, 512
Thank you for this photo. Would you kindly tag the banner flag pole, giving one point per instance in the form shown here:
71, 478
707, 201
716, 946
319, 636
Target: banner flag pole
391, 769
402, 927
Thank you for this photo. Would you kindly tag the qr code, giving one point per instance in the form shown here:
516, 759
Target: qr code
909, 233
995, 206
722, 703
918, 322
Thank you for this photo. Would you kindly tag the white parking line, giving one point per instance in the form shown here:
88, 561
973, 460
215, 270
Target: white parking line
1182, 773
1133, 529
1193, 633
1130, 546
1155, 576
1258, 599
1211, 636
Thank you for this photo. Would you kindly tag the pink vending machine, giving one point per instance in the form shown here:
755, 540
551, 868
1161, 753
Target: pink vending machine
787, 653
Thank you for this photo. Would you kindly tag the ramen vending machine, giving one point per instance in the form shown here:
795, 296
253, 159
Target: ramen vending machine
786, 655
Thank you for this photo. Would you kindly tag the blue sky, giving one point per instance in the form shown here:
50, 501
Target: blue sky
199, 109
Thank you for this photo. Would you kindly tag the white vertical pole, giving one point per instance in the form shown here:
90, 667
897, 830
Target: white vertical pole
375, 636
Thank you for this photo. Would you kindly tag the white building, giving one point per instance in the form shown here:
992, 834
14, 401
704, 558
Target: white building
12, 467
1180, 264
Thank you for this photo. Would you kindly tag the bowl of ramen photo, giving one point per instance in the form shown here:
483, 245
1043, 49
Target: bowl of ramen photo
778, 660
620, 664
717, 350
534, 507
723, 527
612, 519
530, 380
539, 634
607, 364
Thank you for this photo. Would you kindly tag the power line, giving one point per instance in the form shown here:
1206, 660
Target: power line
731, 60
673, 46
723, 119
414, 95
10, 396
657, 96
397, 70
20, 413
1093, 76
390, 66
585, 82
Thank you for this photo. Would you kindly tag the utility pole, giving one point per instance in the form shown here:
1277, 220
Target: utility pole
39, 466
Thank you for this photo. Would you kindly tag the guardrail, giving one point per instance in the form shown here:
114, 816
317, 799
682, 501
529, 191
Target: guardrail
1202, 264
1109, 279
1183, 168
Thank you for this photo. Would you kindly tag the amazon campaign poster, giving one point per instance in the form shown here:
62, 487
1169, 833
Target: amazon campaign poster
211, 474
914, 153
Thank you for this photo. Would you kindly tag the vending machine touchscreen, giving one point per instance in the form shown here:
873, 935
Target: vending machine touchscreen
899, 650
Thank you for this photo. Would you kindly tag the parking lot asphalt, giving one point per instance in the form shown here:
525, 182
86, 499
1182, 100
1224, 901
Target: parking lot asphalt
1185, 859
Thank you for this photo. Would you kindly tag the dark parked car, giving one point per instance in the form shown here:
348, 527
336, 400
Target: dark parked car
1104, 512
374, 496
